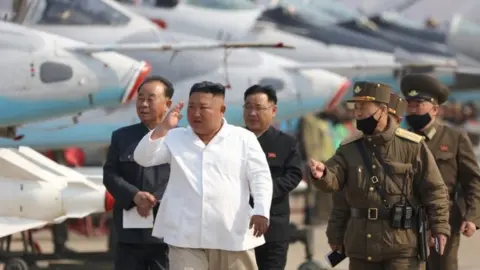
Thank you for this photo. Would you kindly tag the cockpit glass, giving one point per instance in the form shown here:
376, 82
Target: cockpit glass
222, 4
398, 19
323, 11
80, 12
214, 4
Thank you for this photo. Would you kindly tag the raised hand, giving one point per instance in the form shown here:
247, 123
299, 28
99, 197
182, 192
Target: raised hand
173, 117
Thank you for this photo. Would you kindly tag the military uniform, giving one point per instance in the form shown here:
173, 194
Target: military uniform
369, 240
456, 160
397, 106
340, 213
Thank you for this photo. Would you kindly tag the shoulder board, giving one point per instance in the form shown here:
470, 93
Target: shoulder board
403, 133
354, 137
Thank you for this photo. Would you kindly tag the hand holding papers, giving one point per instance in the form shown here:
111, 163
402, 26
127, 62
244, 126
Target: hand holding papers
133, 220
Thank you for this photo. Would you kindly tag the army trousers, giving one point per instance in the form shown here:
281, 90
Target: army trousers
396, 264
449, 259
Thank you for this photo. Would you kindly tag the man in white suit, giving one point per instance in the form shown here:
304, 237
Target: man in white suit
205, 216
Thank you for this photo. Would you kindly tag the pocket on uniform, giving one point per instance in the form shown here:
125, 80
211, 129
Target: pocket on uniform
358, 179
404, 239
399, 178
447, 165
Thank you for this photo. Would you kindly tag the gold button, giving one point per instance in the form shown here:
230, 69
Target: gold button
369, 139
369, 258
371, 189
369, 236
374, 145
373, 166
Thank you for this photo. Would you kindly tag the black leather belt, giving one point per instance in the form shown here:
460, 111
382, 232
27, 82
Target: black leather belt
371, 213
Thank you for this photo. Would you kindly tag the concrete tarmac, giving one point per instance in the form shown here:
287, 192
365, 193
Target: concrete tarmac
468, 252
468, 249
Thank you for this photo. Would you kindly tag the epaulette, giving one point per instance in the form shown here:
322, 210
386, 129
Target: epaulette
403, 133
354, 137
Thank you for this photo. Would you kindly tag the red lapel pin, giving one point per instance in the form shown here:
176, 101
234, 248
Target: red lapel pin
271, 155
443, 148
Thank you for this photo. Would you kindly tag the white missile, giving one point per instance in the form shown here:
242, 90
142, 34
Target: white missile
35, 191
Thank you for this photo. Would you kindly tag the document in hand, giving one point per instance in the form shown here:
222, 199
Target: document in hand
132, 220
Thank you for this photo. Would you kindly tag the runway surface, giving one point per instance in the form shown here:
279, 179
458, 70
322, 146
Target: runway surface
468, 250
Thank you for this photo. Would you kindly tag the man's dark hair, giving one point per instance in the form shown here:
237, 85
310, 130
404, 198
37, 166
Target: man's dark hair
262, 89
215, 89
168, 85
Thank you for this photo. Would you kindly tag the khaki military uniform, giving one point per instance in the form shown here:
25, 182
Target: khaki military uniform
369, 240
456, 160
340, 213
397, 106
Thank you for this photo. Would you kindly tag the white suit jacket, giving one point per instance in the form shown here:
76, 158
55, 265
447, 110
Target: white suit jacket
206, 203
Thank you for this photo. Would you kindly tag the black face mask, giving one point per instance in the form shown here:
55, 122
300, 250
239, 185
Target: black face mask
418, 122
367, 125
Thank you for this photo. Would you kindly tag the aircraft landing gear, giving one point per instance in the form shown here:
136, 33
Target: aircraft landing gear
16, 264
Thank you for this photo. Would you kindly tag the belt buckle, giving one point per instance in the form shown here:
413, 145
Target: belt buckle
374, 179
372, 214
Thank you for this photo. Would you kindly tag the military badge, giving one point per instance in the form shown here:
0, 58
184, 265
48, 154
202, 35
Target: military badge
412, 93
357, 89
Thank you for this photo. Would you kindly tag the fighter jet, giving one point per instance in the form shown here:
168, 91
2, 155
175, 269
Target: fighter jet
297, 96
45, 75
326, 55
193, 17
329, 22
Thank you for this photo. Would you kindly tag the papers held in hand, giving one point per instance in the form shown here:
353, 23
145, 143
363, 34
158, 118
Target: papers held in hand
133, 220
335, 257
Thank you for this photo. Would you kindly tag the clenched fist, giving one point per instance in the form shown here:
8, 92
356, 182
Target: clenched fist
317, 168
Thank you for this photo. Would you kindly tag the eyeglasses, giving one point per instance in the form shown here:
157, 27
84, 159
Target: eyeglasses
250, 108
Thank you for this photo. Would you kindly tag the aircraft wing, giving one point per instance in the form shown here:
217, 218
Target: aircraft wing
175, 47
12, 225
363, 66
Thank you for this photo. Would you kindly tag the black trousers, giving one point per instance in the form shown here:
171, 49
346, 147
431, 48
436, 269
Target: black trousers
141, 256
272, 255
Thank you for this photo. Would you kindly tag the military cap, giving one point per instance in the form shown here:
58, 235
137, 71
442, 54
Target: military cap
397, 105
424, 87
371, 91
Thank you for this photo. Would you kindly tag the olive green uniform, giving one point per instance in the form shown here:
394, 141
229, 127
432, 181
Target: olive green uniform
340, 213
456, 160
369, 240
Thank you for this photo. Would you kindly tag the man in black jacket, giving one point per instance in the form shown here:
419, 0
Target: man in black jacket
284, 159
134, 186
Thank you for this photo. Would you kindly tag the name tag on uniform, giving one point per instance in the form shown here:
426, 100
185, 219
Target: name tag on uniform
132, 220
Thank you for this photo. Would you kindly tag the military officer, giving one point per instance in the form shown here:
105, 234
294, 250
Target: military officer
340, 213
454, 156
397, 107
384, 170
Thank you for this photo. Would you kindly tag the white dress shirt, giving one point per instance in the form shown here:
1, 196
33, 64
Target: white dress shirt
206, 203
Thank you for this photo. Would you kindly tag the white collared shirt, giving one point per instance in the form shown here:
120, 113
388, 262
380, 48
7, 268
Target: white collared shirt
206, 203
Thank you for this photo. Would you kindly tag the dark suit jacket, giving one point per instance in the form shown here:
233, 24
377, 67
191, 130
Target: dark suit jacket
285, 163
123, 178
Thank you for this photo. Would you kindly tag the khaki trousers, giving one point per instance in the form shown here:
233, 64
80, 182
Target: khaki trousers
210, 259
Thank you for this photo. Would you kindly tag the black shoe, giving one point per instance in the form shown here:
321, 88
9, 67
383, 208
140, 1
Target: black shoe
63, 250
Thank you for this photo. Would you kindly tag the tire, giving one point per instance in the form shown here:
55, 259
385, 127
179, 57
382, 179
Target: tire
16, 264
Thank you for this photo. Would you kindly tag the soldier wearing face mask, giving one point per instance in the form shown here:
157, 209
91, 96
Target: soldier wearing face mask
454, 155
376, 171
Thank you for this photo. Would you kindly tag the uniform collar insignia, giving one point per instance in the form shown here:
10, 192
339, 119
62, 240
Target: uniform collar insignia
413, 93
357, 89
431, 133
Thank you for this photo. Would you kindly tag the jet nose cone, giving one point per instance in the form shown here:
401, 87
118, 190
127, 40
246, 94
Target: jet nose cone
128, 74
327, 89
142, 71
